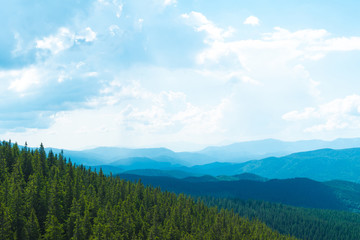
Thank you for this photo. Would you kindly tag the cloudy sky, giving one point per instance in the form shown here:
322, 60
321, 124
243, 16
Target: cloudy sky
182, 74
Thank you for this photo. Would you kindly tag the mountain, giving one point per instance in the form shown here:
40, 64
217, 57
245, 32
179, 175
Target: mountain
209, 178
252, 150
320, 165
347, 191
242, 176
159, 172
106, 155
217, 168
79, 157
115, 155
205, 178
237, 152
301, 192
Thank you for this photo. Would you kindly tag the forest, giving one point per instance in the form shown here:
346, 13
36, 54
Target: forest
303, 223
45, 196
281, 211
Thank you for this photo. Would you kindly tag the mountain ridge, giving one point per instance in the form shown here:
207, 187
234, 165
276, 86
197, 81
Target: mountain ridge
236, 152
300, 192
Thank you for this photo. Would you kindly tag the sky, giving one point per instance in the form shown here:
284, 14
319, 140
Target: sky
182, 74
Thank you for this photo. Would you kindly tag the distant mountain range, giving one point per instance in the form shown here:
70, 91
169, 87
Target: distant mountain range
124, 156
253, 150
237, 152
321, 165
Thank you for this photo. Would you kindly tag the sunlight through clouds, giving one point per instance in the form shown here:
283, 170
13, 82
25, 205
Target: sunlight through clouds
122, 72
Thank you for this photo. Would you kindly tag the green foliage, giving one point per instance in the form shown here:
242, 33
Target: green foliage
303, 223
44, 196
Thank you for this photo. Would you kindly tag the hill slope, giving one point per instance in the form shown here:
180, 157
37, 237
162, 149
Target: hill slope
45, 197
296, 192
303, 223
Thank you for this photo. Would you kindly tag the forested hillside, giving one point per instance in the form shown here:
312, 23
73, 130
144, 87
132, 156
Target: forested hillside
44, 196
303, 223
302, 192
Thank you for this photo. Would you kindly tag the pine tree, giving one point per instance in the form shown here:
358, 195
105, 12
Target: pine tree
5, 222
17, 206
53, 229
32, 227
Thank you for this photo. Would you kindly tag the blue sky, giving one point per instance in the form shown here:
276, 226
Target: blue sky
178, 74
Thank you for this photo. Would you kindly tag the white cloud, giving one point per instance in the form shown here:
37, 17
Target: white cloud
338, 114
56, 43
116, 92
22, 80
252, 20
279, 52
170, 2
165, 112
139, 23
119, 10
91, 74
338, 44
198, 121
281, 44
19, 45
300, 115
313, 86
64, 39
103, 2
238, 84
87, 35
229, 76
305, 35
174, 116
134, 117
115, 30
202, 24
248, 79
63, 76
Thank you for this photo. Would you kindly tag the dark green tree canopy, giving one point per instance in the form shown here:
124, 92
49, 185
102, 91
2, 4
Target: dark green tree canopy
44, 196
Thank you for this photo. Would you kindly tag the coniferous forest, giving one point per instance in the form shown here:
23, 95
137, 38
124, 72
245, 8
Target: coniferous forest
45, 196
303, 223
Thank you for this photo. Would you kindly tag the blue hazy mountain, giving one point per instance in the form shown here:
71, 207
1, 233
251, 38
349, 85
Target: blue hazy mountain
321, 165
252, 150
115, 155
160, 172
237, 152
